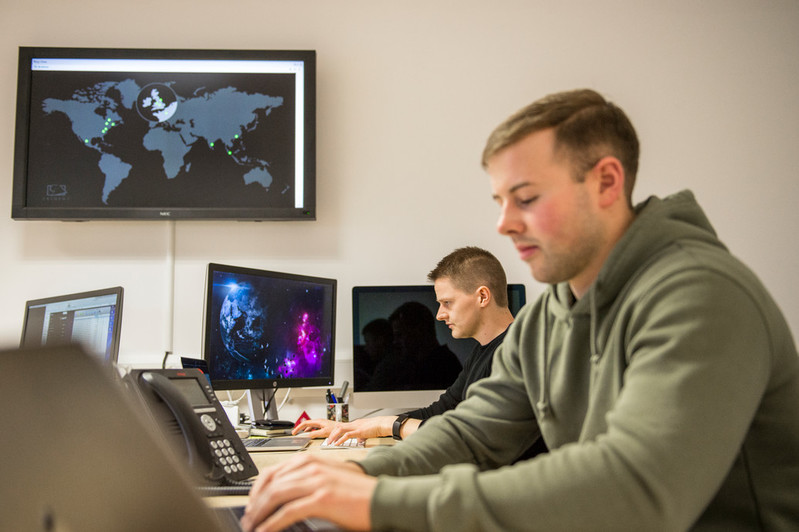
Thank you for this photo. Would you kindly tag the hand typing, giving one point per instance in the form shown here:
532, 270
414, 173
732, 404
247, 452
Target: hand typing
337, 433
305, 486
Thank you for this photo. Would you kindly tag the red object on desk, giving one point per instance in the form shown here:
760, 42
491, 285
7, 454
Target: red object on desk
303, 417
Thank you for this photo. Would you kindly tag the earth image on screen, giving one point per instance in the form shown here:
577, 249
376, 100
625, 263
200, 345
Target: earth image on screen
241, 320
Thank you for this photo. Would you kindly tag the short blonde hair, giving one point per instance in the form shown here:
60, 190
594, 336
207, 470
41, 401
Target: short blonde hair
587, 127
469, 268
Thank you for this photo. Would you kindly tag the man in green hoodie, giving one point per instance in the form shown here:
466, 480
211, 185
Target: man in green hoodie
659, 371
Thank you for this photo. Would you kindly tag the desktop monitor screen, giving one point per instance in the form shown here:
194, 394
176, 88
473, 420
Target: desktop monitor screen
92, 320
376, 313
266, 329
107, 133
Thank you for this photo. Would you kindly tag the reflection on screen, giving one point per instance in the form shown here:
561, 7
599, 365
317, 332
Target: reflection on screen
398, 345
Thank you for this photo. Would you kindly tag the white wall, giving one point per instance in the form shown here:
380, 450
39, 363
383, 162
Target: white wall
407, 93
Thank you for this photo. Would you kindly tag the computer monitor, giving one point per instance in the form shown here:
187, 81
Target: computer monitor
136, 133
264, 330
374, 308
91, 319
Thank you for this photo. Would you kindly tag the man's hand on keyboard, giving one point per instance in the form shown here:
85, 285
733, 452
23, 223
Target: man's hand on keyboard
307, 485
315, 428
338, 433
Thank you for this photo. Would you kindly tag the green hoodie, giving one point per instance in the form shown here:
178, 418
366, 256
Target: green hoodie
668, 396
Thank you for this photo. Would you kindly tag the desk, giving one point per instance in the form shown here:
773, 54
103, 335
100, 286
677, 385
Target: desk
265, 459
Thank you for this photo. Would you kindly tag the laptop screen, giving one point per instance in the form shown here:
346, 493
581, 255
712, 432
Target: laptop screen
101, 466
91, 320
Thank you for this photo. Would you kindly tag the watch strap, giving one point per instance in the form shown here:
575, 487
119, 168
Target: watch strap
395, 429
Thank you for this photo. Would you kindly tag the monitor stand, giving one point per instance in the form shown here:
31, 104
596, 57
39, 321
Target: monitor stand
257, 398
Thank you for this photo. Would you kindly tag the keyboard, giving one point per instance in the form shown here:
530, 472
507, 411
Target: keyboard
352, 443
256, 442
216, 491
282, 443
231, 516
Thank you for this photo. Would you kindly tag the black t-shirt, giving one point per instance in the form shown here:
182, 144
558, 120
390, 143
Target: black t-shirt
477, 366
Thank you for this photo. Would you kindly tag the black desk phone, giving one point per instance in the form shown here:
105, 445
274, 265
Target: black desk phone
182, 404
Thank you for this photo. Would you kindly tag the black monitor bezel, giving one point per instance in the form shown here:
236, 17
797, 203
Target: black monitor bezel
117, 291
20, 210
270, 383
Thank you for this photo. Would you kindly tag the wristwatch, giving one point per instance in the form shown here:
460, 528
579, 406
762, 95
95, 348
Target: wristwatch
395, 429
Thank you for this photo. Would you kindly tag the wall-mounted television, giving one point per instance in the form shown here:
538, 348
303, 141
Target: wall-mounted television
109, 133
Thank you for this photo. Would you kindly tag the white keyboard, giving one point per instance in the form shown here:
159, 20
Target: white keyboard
352, 443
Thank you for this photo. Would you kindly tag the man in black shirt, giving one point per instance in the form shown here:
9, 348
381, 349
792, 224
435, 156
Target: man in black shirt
471, 290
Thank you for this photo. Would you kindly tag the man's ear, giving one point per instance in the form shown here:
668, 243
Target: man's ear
610, 173
483, 296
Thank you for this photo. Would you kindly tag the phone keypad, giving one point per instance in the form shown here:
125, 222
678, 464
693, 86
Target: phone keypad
226, 456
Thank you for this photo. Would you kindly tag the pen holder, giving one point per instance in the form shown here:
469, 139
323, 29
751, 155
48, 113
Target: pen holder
338, 412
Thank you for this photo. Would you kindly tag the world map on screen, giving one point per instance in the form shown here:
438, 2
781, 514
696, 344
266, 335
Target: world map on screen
173, 125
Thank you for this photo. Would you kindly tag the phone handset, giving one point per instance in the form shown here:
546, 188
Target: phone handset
183, 406
194, 433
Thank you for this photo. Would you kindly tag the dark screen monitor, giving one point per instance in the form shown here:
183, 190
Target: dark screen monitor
165, 134
266, 330
92, 320
376, 310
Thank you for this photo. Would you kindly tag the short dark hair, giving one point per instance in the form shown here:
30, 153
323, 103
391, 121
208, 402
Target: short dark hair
471, 267
587, 127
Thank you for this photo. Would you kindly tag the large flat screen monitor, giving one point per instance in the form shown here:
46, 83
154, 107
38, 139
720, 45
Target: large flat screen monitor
92, 320
266, 329
107, 133
414, 379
